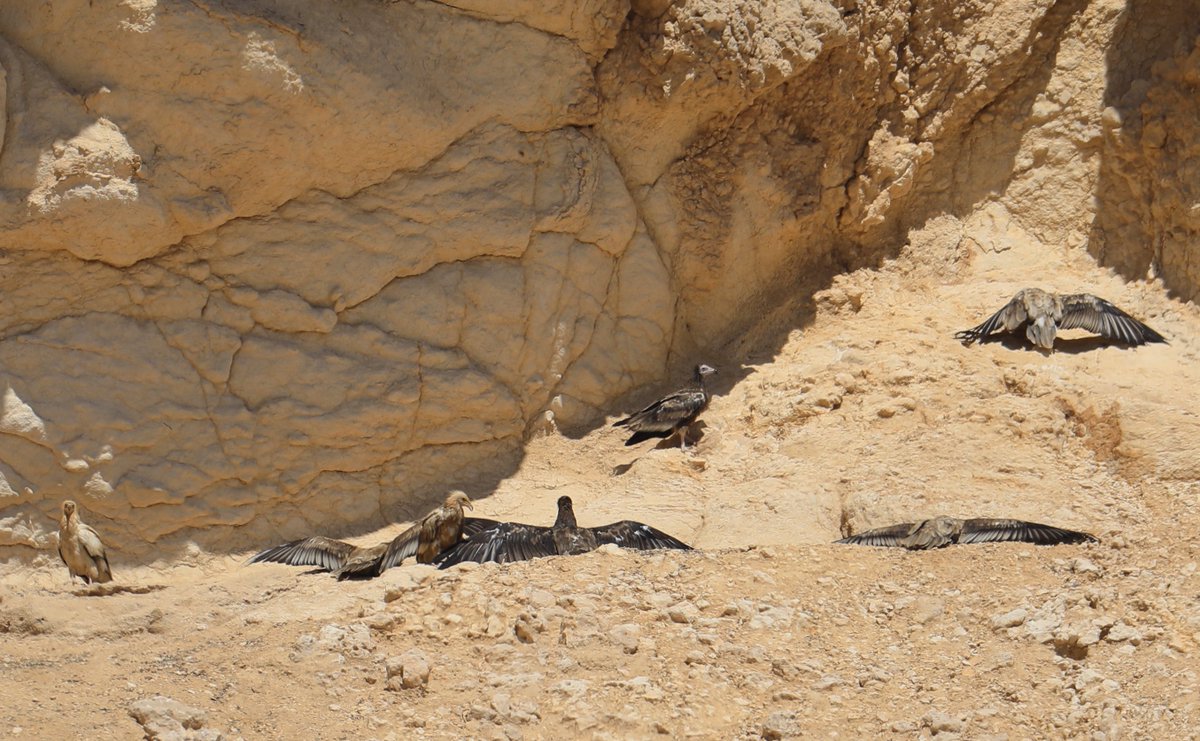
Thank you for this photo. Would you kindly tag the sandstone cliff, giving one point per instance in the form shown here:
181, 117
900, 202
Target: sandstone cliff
271, 265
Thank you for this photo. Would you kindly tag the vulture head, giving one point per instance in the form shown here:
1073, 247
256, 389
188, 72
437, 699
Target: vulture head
459, 499
946, 526
703, 371
68, 508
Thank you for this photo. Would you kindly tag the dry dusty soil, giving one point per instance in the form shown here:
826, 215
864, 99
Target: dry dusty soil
855, 411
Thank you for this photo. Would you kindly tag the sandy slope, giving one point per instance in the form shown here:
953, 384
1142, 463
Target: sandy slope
867, 414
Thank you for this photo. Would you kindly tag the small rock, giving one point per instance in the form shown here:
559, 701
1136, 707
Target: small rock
409, 670
164, 718
1010, 619
1122, 632
541, 598
406, 579
1076, 638
572, 687
940, 722
924, 609
523, 629
381, 621
781, 725
826, 682
647, 646
683, 612
626, 636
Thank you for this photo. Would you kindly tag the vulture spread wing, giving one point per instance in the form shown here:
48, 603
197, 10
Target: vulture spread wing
502, 543
405, 545
630, 534
1011, 316
891, 535
512, 541
986, 531
940, 531
402, 546
1084, 311
325, 553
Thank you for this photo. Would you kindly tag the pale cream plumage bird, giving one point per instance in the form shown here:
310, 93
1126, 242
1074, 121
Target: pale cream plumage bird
80, 547
1041, 314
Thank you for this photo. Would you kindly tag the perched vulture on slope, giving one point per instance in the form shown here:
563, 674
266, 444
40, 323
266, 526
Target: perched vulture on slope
437, 531
80, 548
672, 413
514, 541
943, 531
1042, 314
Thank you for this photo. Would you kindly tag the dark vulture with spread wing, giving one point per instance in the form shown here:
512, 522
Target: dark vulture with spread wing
1042, 314
437, 531
80, 548
942, 531
514, 541
672, 413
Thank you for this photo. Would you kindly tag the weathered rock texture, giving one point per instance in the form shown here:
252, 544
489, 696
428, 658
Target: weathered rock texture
277, 264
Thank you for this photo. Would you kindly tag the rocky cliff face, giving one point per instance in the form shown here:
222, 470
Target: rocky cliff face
280, 265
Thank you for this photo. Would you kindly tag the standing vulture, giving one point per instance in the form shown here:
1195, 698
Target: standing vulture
80, 548
672, 413
943, 531
514, 541
1042, 314
437, 531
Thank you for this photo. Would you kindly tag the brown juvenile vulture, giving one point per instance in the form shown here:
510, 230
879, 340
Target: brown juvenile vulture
942, 531
1042, 314
672, 413
514, 541
80, 548
438, 530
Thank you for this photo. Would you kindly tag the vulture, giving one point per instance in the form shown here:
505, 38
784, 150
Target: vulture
80, 548
514, 541
437, 531
672, 413
943, 531
1042, 314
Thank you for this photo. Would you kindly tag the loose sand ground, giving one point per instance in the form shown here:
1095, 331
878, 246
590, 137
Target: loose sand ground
861, 413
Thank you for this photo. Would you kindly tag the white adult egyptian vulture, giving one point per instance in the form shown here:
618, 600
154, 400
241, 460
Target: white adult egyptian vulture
80, 547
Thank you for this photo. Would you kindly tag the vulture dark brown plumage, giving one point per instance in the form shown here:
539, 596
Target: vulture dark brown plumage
943, 531
1042, 314
515, 541
80, 548
437, 531
672, 413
